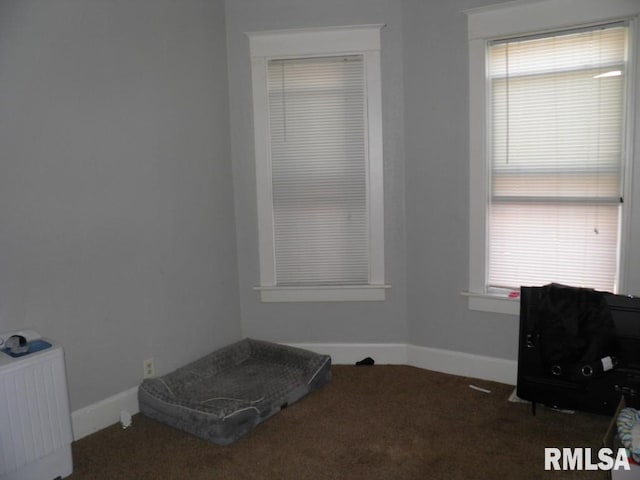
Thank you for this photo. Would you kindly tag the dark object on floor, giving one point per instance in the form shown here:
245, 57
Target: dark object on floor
226, 394
366, 361
579, 349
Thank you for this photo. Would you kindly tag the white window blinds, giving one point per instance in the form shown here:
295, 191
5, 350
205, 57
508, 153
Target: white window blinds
556, 148
317, 121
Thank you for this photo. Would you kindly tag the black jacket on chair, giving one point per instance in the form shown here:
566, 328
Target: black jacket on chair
569, 352
576, 331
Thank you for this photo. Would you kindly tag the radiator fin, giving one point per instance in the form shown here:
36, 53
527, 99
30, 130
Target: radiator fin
34, 411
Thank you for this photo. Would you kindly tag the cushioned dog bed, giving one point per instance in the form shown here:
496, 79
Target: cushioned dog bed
225, 394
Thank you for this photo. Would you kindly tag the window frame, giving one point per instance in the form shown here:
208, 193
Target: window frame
264, 46
514, 19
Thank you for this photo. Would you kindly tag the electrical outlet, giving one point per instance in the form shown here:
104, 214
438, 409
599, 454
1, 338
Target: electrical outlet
148, 369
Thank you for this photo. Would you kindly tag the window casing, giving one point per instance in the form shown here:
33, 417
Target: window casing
318, 147
530, 193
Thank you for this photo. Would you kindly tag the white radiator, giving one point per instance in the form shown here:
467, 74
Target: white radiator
35, 424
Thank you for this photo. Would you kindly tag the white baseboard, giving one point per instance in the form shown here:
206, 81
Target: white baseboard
104, 413
463, 364
350, 353
446, 361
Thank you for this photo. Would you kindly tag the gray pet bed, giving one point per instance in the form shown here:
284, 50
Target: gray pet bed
225, 394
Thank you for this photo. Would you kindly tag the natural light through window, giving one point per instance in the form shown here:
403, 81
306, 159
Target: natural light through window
317, 99
317, 126
552, 144
557, 132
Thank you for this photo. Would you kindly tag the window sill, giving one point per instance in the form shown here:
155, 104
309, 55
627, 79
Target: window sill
355, 293
493, 302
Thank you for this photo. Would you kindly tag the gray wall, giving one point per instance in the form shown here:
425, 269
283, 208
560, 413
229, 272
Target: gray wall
437, 145
126, 139
312, 322
437, 152
424, 88
426, 131
117, 234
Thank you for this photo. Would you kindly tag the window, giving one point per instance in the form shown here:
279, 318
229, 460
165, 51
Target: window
557, 132
549, 136
318, 147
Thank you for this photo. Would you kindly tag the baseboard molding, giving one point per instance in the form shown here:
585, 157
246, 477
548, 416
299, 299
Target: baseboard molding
104, 413
350, 353
463, 364
446, 361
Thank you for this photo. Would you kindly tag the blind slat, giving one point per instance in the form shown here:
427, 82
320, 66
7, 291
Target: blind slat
557, 133
319, 173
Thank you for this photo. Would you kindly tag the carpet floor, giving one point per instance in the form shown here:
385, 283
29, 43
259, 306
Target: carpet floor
380, 422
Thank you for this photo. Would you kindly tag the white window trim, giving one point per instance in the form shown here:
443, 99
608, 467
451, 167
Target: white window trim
266, 45
514, 19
